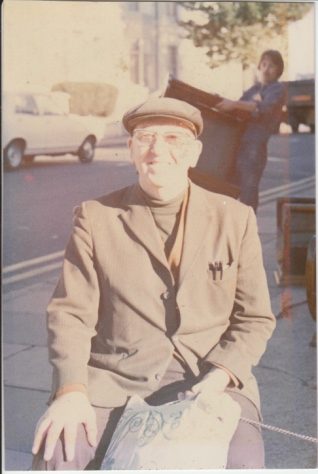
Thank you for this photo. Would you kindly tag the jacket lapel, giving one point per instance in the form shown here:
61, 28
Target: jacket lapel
138, 219
198, 219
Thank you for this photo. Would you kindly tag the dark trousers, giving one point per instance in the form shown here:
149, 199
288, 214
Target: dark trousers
250, 165
246, 449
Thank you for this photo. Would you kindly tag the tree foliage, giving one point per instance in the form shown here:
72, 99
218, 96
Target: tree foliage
234, 30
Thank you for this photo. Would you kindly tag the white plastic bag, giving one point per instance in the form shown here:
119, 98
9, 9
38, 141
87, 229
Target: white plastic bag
187, 434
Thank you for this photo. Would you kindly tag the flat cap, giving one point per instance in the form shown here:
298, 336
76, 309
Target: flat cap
164, 107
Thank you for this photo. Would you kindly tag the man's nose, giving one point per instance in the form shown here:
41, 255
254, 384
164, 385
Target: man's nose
157, 143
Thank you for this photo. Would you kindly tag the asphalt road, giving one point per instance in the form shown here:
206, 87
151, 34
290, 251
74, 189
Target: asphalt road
38, 200
291, 158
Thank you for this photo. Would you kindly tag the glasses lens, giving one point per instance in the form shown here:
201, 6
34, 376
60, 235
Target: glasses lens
144, 137
171, 138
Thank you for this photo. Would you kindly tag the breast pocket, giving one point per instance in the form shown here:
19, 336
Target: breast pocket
219, 272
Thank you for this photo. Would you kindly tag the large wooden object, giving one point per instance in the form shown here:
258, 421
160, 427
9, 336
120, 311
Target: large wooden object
220, 138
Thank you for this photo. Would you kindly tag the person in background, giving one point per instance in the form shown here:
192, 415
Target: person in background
263, 104
163, 295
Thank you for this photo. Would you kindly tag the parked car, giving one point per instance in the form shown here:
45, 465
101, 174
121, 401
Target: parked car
300, 108
39, 124
114, 135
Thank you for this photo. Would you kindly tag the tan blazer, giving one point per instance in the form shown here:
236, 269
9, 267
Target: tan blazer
107, 317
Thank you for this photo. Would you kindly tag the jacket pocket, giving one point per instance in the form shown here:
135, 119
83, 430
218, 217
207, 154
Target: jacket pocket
219, 272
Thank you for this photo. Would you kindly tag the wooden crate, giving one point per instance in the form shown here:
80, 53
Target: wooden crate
295, 228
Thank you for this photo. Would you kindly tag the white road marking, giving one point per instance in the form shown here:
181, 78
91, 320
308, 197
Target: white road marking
276, 158
33, 261
294, 186
31, 273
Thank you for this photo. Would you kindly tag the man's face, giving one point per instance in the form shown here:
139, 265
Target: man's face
267, 71
162, 152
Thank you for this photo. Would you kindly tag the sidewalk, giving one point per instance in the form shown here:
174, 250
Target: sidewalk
286, 374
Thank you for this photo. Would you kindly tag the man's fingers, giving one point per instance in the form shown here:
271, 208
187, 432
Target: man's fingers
91, 431
188, 394
40, 432
70, 433
51, 439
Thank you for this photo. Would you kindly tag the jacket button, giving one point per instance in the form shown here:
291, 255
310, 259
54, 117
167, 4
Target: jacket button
166, 295
157, 376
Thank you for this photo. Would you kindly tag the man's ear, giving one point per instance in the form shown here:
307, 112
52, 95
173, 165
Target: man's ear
129, 145
196, 152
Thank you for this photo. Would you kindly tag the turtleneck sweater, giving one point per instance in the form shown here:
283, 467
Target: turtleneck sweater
166, 215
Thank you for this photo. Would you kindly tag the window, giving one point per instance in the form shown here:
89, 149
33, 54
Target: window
172, 60
132, 6
148, 70
47, 106
171, 9
148, 8
24, 104
135, 62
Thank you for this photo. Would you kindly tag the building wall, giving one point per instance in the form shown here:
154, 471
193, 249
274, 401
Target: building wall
152, 35
301, 47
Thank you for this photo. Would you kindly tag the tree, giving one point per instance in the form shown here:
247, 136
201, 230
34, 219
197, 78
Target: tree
233, 31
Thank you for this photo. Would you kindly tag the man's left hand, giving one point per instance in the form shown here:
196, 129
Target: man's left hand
212, 384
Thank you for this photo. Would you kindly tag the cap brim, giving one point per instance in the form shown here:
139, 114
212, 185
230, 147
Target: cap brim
132, 122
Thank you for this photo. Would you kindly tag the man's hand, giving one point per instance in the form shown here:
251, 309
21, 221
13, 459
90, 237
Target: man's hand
212, 384
65, 413
226, 105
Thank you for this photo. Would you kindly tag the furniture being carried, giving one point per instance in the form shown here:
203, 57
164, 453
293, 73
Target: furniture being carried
220, 138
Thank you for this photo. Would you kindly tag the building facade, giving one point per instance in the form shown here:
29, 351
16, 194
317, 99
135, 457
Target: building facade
153, 37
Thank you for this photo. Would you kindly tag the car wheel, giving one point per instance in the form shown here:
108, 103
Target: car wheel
294, 124
86, 151
13, 155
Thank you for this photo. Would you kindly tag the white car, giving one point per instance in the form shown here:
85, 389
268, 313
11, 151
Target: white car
39, 124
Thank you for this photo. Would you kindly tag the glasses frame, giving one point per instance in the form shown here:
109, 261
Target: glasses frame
185, 139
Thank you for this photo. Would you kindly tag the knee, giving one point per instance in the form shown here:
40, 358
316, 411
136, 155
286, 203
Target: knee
246, 450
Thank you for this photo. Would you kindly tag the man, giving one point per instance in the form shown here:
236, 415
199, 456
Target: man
163, 294
263, 103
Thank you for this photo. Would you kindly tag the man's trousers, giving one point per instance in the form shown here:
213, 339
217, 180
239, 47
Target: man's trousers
246, 449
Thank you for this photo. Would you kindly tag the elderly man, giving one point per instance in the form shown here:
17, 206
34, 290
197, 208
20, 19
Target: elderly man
163, 294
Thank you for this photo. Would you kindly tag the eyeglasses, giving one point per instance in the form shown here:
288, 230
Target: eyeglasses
171, 138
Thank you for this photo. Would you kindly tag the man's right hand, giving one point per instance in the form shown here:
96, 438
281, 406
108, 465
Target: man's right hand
65, 414
226, 105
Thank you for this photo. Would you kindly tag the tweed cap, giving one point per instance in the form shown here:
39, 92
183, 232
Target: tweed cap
164, 107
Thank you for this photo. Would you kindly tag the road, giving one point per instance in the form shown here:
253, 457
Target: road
39, 199
291, 158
